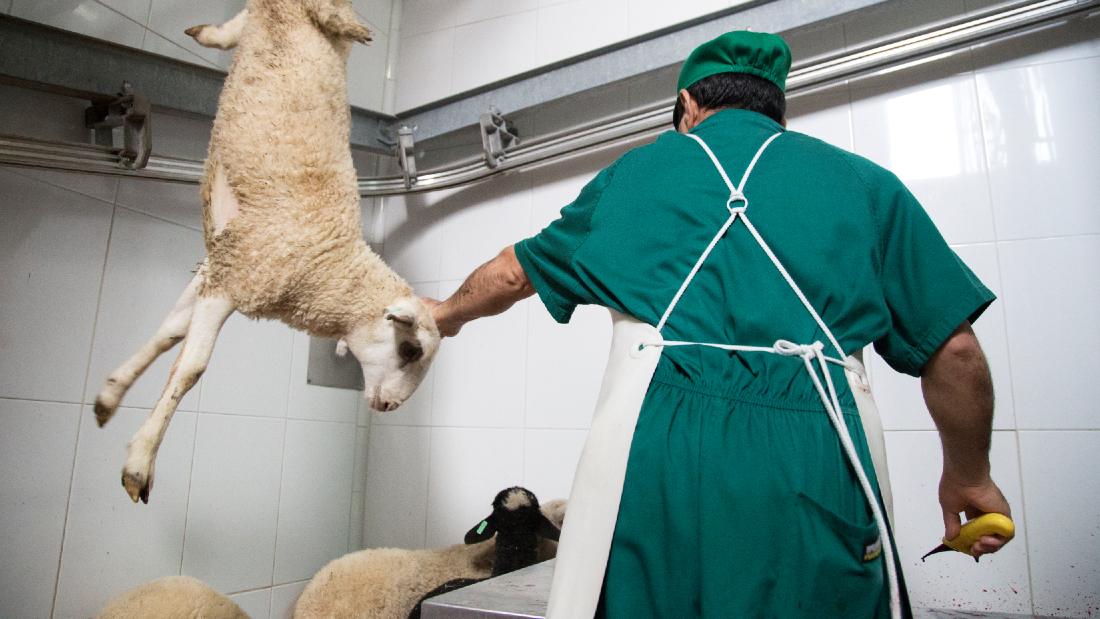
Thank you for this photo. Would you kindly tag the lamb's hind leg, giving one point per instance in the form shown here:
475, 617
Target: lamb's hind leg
207, 319
170, 332
337, 18
224, 36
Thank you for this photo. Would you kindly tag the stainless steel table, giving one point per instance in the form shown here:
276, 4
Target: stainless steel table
524, 593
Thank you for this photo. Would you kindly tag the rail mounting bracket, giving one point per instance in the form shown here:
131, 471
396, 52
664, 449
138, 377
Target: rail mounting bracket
123, 124
498, 134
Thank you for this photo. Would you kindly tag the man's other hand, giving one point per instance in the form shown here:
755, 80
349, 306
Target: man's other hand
974, 498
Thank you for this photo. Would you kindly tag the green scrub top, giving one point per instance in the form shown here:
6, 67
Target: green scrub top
738, 500
852, 236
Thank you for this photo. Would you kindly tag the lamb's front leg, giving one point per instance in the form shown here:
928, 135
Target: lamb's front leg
224, 36
207, 319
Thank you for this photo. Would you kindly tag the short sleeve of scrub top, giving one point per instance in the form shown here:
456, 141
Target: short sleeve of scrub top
928, 290
548, 257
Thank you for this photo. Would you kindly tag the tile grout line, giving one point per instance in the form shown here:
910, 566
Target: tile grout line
282, 460
82, 408
157, 217
527, 328
190, 484
1023, 518
279, 505
428, 489
16, 170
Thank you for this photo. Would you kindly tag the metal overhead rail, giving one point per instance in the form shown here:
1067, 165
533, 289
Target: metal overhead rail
635, 124
933, 45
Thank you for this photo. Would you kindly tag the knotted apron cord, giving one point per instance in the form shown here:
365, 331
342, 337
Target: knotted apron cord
807, 352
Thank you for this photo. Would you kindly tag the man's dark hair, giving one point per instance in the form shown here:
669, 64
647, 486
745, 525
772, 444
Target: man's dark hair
739, 90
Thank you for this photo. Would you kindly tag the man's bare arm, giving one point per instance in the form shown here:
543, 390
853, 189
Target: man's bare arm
491, 289
959, 393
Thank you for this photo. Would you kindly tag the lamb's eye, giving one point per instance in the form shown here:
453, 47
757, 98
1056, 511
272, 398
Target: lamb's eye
409, 352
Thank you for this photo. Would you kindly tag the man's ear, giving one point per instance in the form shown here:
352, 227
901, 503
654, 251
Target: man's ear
403, 313
481, 531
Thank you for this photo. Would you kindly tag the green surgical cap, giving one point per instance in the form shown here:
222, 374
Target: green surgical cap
757, 53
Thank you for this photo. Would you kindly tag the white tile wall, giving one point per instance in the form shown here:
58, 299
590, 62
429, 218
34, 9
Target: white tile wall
1041, 155
486, 51
255, 604
367, 72
397, 486
128, 544
930, 135
1051, 298
479, 377
102, 188
284, 597
169, 20
175, 202
234, 503
424, 67
312, 401
565, 366
493, 216
88, 17
560, 34
549, 459
136, 10
1060, 490
249, 370
469, 466
377, 12
76, 288
318, 462
52, 259
413, 226
37, 440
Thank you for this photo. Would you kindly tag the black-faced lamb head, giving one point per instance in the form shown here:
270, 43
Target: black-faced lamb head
395, 351
514, 509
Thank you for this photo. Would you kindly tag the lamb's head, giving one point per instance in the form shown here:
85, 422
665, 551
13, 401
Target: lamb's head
395, 350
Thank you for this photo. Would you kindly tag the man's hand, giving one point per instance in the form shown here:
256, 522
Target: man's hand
447, 327
973, 497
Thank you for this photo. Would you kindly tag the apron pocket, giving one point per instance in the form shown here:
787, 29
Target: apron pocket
844, 566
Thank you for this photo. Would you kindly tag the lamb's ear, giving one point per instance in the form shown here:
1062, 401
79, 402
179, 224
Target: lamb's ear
481, 531
548, 529
402, 313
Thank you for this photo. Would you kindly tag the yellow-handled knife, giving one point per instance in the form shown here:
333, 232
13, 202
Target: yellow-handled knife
973, 530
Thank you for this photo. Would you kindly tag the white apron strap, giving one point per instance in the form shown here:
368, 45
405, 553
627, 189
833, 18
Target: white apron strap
736, 195
823, 383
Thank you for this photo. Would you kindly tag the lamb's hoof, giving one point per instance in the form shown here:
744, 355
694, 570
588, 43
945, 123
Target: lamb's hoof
137, 485
194, 31
104, 411
360, 34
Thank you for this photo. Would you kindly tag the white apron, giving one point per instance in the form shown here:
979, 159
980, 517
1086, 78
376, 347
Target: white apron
635, 351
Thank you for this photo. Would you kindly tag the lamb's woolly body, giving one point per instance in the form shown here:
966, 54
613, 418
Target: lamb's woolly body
383, 583
294, 251
174, 597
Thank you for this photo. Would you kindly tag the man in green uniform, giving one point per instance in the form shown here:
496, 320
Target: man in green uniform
738, 499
